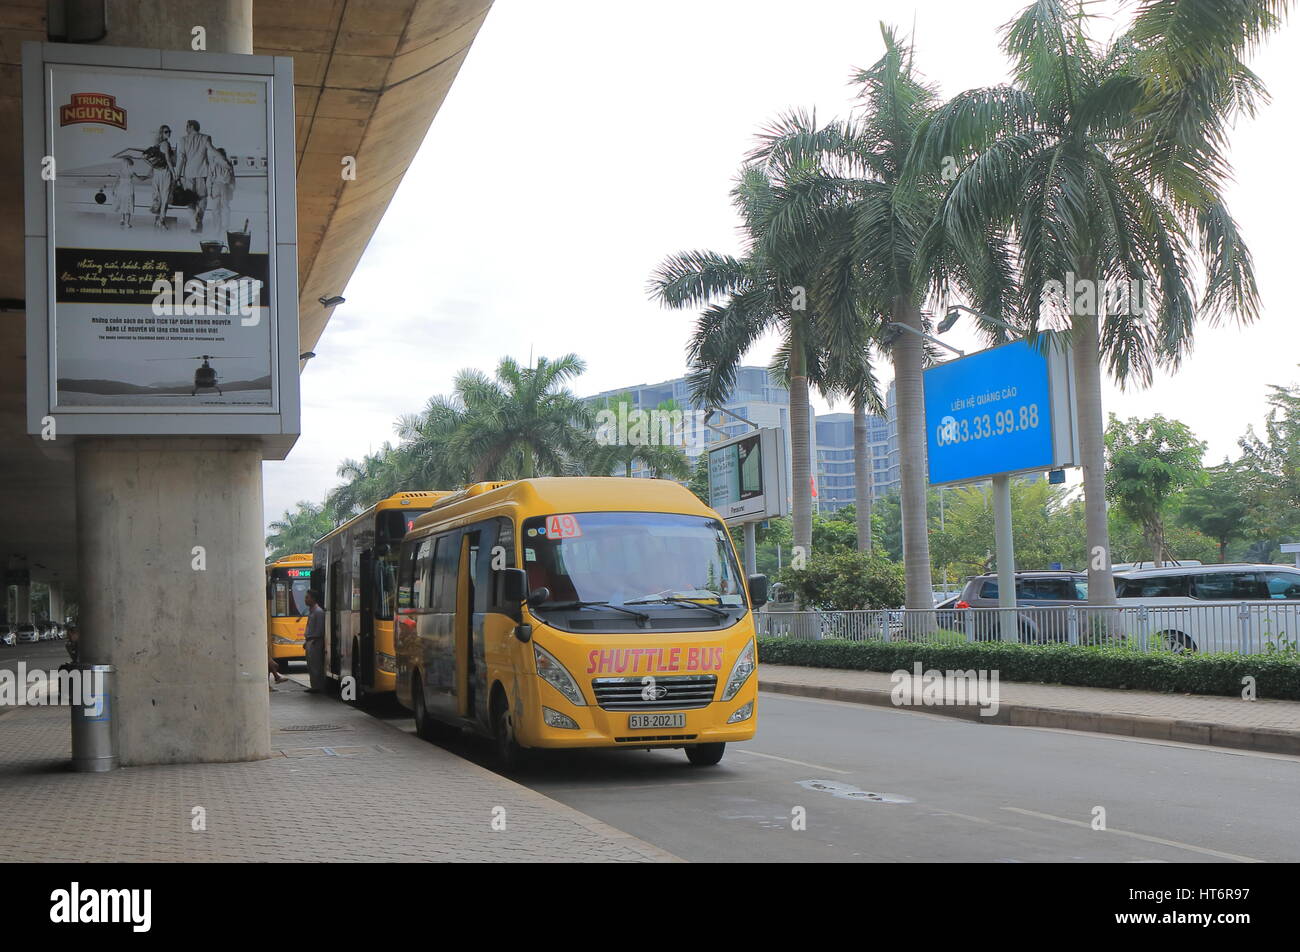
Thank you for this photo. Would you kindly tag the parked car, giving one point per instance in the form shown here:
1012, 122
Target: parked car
1033, 590
27, 634
1199, 607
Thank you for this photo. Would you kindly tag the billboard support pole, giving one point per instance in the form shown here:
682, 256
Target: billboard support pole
751, 548
1005, 555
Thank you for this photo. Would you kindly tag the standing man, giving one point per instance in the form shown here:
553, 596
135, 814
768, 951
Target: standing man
192, 168
314, 642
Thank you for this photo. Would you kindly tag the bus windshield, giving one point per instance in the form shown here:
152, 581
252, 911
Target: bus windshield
639, 558
288, 597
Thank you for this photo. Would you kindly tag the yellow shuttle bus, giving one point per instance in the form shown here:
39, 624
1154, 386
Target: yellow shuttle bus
287, 581
355, 569
578, 612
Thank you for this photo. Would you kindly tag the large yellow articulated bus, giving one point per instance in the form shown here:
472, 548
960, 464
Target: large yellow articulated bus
354, 568
287, 582
578, 612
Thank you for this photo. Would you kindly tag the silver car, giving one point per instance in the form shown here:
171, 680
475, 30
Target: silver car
1034, 590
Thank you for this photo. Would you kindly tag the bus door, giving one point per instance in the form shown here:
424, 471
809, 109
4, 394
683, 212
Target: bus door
466, 618
335, 597
364, 665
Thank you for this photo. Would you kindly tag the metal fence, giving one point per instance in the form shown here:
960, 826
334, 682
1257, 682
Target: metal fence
1239, 627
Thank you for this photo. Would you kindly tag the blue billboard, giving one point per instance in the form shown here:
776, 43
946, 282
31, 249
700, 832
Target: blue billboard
992, 413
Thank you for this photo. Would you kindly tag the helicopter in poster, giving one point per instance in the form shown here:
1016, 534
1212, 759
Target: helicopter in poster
205, 375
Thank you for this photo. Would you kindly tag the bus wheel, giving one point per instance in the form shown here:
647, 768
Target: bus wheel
705, 755
510, 756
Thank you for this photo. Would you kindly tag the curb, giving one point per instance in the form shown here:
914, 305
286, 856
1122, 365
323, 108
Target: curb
1265, 739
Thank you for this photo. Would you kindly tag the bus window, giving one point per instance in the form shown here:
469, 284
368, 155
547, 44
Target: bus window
289, 597
446, 567
623, 557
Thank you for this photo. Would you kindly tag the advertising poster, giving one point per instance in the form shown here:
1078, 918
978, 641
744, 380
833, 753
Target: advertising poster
161, 241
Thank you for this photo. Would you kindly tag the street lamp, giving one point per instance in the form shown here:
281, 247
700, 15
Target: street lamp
954, 312
891, 329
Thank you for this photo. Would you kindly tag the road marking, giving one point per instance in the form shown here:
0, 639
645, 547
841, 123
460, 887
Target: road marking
787, 760
1140, 836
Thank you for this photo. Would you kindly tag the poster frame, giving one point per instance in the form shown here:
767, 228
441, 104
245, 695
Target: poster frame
278, 427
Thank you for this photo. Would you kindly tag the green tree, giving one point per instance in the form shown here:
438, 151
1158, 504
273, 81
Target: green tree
1271, 466
297, 530
1107, 164
1219, 508
1150, 462
521, 424
870, 213
743, 298
847, 580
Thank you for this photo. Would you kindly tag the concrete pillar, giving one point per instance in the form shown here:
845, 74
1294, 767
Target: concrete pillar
169, 544
56, 602
169, 531
23, 604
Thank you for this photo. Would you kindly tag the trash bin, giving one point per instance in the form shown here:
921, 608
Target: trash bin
94, 735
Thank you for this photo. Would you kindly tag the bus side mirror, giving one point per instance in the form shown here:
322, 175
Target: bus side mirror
758, 590
514, 586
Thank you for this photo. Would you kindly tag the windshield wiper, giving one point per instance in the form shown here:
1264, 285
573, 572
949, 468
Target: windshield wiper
684, 602
641, 617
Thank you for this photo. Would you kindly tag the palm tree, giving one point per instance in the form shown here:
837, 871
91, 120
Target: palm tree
524, 423
297, 530
377, 476
871, 213
743, 298
1106, 164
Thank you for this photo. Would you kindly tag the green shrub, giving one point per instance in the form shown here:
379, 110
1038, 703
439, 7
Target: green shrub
847, 581
1276, 676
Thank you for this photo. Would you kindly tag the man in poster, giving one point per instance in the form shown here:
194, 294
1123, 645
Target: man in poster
192, 168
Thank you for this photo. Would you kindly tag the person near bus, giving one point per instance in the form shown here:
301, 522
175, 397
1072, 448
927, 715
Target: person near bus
314, 642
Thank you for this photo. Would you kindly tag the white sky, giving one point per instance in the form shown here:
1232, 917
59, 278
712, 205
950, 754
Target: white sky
585, 140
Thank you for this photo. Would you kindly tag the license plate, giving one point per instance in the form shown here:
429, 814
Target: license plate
652, 721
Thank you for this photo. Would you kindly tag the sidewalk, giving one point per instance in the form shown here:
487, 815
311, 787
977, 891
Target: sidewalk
1265, 725
352, 789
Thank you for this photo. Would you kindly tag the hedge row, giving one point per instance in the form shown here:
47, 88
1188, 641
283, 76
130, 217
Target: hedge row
1109, 667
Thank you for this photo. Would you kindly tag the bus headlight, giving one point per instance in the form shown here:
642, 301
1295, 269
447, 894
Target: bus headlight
387, 662
282, 640
554, 674
556, 719
742, 714
740, 672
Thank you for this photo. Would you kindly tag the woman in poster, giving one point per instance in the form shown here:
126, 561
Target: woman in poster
124, 192
221, 189
162, 157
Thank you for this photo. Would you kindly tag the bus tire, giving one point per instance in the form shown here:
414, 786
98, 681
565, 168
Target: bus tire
509, 754
705, 755
1177, 642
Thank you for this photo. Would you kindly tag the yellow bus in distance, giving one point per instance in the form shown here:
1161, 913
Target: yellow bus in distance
287, 581
578, 612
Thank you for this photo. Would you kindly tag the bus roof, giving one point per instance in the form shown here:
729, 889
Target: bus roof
417, 499
297, 560
562, 494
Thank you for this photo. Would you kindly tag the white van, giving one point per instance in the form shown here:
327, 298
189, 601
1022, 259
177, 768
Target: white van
1230, 607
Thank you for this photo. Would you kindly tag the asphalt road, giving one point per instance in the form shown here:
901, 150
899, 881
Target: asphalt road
45, 655
872, 784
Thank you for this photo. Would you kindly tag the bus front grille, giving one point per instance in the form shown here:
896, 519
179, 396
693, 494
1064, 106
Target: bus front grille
675, 693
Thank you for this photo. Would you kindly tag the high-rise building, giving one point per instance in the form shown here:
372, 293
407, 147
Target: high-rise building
836, 480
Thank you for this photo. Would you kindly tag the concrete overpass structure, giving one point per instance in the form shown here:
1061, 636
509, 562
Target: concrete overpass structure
369, 78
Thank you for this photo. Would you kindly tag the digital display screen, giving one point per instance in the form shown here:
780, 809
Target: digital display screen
298, 573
